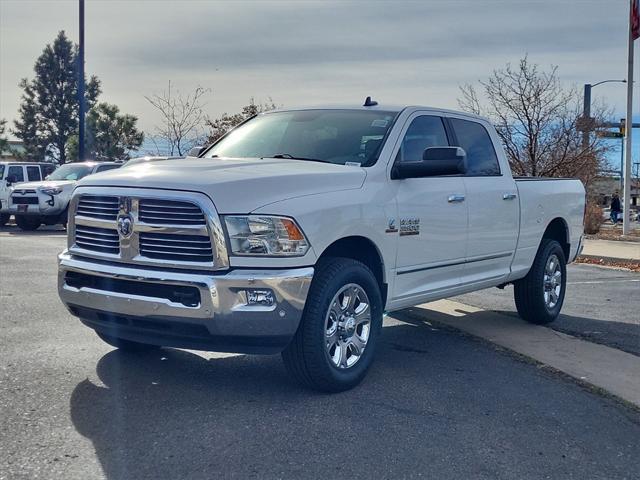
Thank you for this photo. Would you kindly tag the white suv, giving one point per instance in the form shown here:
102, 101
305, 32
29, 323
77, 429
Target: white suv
35, 203
18, 172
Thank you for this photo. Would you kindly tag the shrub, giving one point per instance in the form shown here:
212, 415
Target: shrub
593, 218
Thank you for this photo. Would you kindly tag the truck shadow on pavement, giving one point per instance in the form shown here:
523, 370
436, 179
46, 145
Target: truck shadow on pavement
434, 402
620, 335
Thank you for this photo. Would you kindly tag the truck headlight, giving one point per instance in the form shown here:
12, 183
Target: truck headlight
51, 190
265, 235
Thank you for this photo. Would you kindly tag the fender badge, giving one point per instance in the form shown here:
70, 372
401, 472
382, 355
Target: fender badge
392, 226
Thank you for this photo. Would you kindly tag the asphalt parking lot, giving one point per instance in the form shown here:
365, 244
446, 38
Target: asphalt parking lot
436, 404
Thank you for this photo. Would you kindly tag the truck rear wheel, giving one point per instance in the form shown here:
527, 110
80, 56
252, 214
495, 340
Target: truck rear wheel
336, 340
28, 223
126, 345
539, 295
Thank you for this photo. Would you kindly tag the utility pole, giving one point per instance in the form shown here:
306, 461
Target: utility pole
81, 102
623, 129
634, 14
586, 115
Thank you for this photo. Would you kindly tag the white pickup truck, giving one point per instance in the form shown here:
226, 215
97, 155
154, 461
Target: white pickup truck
298, 229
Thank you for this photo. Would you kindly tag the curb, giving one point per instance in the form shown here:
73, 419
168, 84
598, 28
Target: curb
604, 368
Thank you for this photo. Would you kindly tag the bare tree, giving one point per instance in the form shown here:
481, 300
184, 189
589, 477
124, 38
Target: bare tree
220, 126
537, 120
183, 120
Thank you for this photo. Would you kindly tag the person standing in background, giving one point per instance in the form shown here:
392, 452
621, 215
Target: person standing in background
616, 208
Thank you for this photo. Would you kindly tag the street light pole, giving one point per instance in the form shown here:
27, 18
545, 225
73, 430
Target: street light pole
81, 103
587, 121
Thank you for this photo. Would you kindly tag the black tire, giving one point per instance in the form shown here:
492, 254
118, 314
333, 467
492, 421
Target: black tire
529, 292
28, 223
4, 218
126, 345
306, 358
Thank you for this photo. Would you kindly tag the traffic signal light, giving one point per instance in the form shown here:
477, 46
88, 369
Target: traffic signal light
623, 126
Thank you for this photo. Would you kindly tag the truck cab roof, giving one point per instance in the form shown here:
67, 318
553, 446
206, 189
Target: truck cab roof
397, 108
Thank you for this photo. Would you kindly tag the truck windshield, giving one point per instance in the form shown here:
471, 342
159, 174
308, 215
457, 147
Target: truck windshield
332, 136
70, 172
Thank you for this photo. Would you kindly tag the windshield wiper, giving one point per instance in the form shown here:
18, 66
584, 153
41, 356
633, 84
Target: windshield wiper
288, 155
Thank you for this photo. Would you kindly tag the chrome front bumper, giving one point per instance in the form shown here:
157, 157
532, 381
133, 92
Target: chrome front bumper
220, 320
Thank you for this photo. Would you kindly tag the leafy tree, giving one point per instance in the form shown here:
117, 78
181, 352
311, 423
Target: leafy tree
110, 135
537, 120
4, 142
220, 126
49, 111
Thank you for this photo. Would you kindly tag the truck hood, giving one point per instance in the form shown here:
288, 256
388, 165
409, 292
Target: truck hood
43, 184
236, 185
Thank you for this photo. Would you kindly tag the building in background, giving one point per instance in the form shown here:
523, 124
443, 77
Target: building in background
14, 149
603, 187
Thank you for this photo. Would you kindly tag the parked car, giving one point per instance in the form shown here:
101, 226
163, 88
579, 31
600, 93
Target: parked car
17, 172
296, 231
46, 201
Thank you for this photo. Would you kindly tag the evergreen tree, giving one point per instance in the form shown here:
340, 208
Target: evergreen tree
27, 127
49, 110
4, 142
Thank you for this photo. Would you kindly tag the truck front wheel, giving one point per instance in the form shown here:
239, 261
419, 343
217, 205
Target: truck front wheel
336, 340
539, 295
4, 218
28, 223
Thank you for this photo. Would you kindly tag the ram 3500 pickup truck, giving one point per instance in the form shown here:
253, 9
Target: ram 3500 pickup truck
299, 228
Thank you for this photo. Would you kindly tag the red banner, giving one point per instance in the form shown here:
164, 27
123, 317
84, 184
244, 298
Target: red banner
635, 19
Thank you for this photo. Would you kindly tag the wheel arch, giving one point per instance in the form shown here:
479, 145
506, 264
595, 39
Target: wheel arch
364, 250
558, 230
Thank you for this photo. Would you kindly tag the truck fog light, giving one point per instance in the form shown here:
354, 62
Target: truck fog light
260, 297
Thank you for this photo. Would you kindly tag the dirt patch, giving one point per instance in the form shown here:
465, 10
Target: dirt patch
633, 265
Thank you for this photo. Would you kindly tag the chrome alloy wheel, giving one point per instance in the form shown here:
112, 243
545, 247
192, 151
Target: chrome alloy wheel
347, 326
552, 281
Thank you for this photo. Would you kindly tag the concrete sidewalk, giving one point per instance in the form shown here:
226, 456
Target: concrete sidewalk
612, 249
604, 367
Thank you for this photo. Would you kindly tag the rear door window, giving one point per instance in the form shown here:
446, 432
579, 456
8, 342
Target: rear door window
33, 173
16, 171
474, 138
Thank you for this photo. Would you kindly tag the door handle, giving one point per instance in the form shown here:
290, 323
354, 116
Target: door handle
509, 196
455, 198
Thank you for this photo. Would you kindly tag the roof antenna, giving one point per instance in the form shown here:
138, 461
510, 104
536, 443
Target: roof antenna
370, 103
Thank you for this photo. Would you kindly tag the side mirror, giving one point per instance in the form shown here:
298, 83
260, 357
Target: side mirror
11, 179
436, 161
196, 151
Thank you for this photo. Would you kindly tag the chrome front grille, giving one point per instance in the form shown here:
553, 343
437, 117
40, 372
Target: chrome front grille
147, 227
105, 240
166, 246
94, 206
170, 212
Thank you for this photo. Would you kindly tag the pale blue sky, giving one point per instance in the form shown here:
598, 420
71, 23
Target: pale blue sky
299, 52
